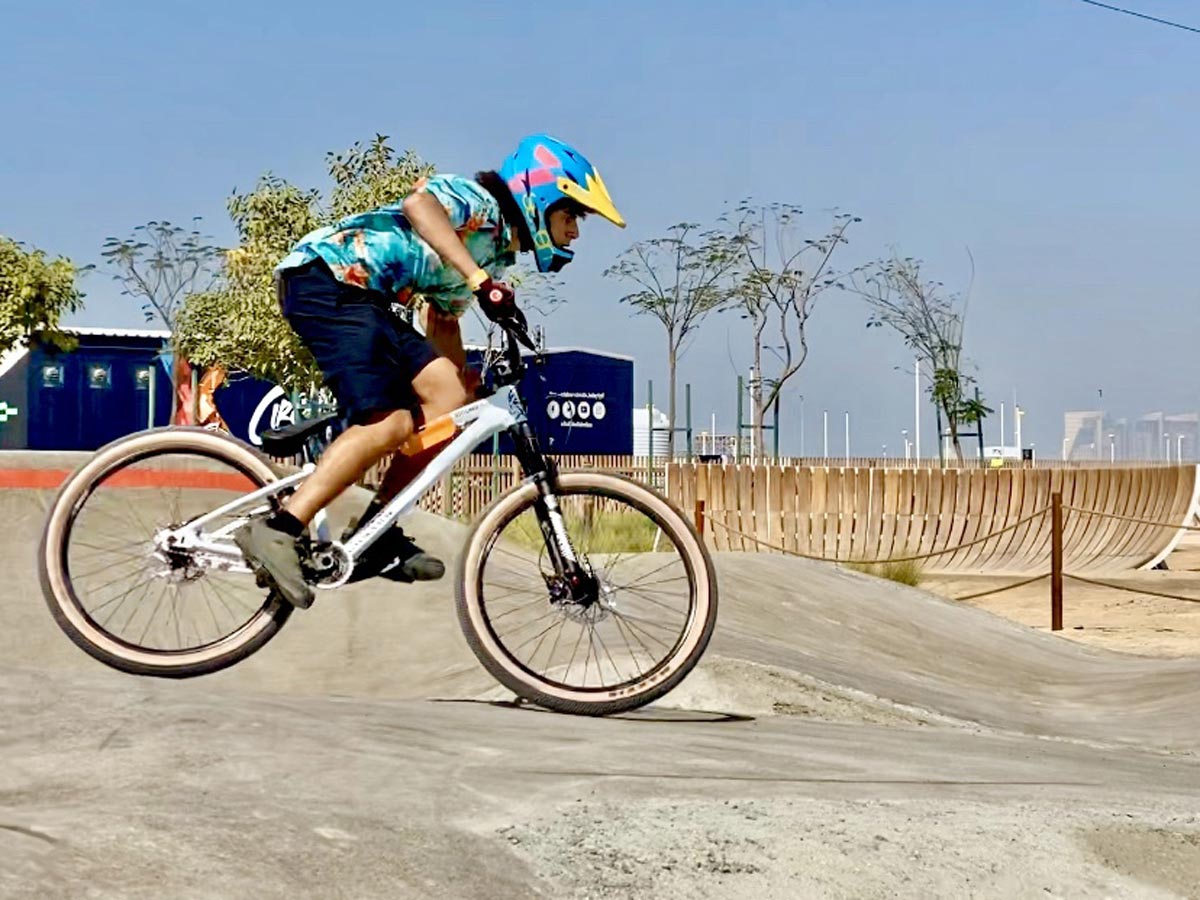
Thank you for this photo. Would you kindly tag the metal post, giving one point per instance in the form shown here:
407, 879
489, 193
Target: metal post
151, 397
687, 394
917, 408
495, 466
195, 396
775, 428
979, 426
649, 432
801, 425
1056, 562
737, 441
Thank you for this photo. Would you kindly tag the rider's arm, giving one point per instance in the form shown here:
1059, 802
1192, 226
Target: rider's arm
429, 219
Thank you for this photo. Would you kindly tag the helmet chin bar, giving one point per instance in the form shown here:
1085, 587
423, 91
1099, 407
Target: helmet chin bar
561, 258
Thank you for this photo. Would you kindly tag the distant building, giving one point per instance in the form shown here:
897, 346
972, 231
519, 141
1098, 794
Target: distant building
1155, 436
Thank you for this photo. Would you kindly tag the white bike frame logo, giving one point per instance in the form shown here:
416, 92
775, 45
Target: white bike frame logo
282, 412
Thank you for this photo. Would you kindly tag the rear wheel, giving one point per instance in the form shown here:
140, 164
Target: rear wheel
647, 625
125, 597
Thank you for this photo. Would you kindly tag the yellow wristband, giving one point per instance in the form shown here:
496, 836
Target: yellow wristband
476, 279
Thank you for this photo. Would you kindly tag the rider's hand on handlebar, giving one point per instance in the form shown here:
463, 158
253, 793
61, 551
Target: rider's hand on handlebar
497, 300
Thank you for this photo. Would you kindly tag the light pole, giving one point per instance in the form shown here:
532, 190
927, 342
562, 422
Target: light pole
1017, 414
904, 432
1179, 448
802, 425
917, 407
1112, 448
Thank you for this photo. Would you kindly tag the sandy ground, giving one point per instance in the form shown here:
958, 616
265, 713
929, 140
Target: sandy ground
845, 737
1102, 617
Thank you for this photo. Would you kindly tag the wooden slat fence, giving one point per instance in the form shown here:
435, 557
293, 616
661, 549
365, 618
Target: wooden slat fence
850, 514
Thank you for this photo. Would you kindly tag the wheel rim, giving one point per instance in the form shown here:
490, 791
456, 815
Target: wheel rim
146, 604
647, 605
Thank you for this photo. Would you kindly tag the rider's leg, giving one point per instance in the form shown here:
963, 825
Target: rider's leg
378, 368
359, 447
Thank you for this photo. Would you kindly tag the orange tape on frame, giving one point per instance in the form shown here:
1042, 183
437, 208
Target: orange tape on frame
436, 432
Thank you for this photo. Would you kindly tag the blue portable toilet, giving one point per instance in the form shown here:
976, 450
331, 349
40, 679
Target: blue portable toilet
84, 398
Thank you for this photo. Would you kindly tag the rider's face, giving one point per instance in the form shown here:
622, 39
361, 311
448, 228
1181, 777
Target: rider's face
563, 226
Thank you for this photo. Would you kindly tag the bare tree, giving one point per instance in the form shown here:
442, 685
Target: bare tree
679, 279
161, 264
782, 274
931, 322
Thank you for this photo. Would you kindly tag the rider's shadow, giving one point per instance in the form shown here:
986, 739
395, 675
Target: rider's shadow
645, 714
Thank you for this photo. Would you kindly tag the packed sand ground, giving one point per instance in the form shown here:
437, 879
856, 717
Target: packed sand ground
1117, 620
844, 737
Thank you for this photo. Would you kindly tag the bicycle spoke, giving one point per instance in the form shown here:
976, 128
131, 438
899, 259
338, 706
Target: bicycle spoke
516, 593
536, 600
538, 646
121, 577
540, 618
144, 583
632, 625
107, 567
663, 581
652, 600
150, 620
574, 652
647, 623
612, 662
550, 658
656, 571
539, 634
619, 621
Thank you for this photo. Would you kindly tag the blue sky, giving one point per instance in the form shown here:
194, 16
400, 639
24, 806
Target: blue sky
1054, 140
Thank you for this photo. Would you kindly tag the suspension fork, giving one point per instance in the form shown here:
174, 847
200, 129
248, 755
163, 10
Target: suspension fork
544, 474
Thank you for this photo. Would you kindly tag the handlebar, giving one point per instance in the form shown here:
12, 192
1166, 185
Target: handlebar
510, 367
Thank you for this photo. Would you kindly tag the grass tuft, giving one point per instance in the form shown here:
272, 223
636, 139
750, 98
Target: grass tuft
908, 572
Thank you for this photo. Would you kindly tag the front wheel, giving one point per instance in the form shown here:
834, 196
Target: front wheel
643, 630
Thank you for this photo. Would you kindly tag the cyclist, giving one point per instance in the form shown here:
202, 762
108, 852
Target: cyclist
450, 241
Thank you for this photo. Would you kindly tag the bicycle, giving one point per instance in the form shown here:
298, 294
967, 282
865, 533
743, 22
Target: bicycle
539, 573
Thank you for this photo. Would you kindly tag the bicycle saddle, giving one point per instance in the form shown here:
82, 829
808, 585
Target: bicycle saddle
289, 440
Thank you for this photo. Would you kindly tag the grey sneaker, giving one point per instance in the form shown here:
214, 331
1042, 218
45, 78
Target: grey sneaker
273, 554
395, 556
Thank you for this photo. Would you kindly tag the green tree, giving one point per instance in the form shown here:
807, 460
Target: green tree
161, 264
35, 293
781, 275
238, 324
679, 279
931, 322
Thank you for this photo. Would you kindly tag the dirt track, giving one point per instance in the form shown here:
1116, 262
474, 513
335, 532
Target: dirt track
845, 737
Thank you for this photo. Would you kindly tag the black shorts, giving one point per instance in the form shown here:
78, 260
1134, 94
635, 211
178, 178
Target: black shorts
368, 355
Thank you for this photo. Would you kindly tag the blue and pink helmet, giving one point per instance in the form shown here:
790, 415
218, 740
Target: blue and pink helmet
544, 171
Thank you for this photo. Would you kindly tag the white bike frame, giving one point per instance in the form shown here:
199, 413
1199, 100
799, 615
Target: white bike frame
478, 421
